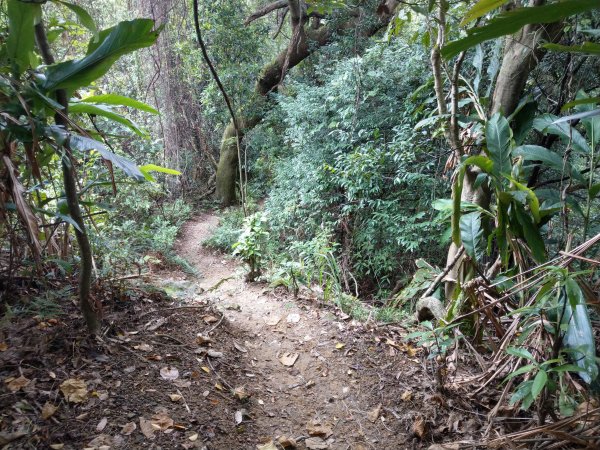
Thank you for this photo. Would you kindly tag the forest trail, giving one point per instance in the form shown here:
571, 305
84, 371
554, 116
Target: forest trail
314, 376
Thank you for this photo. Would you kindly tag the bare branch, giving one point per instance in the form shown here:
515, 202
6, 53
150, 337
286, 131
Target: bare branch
279, 4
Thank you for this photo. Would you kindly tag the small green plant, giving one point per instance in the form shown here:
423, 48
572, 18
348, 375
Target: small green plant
251, 244
291, 274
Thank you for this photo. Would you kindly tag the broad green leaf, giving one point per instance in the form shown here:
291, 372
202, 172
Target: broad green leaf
539, 382
546, 124
532, 200
471, 235
83, 143
456, 199
531, 233
522, 391
509, 22
547, 157
21, 40
520, 371
104, 111
146, 169
520, 353
498, 136
483, 162
594, 190
112, 43
588, 48
579, 336
83, 16
581, 101
120, 100
481, 8
590, 122
523, 121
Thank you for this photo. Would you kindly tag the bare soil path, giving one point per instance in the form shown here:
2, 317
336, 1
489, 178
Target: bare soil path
315, 378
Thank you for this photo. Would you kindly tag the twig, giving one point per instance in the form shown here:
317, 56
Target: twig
445, 272
217, 324
171, 309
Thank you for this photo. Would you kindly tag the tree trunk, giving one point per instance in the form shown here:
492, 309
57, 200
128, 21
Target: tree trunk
90, 313
521, 56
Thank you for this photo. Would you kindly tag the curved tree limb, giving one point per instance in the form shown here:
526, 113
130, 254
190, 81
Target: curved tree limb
279, 4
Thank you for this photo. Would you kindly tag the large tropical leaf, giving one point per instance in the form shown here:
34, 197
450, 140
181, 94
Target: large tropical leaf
530, 232
546, 157
20, 41
111, 44
547, 124
146, 169
120, 100
471, 235
84, 144
498, 136
579, 337
105, 111
509, 22
588, 48
83, 16
481, 8
591, 121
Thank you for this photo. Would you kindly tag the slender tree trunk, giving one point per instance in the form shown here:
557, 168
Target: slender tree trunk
90, 313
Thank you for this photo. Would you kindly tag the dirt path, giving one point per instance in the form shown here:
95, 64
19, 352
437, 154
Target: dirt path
343, 390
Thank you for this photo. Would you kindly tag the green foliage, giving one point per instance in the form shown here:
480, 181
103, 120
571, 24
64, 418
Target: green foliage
509, 22
251, 244
102, 53
351, 167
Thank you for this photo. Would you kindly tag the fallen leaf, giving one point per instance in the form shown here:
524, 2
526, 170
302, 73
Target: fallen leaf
268, 446
287, 442
214, 354
182, 384
161, 422
16, 384
444, 447
146, 428
272, 320
293, 318
373, 415
210, 319
3, 346
74, 390
418, 428
193, 437
406, 396
175, 397
128, 428
144, 347
240, 393
57, 446
203, 340
239, 348
48, 410
289, 359
339, 346
239, 417
102, 424
316, 443
206, 369
316, 428
219, 386
169, 373
6, 437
